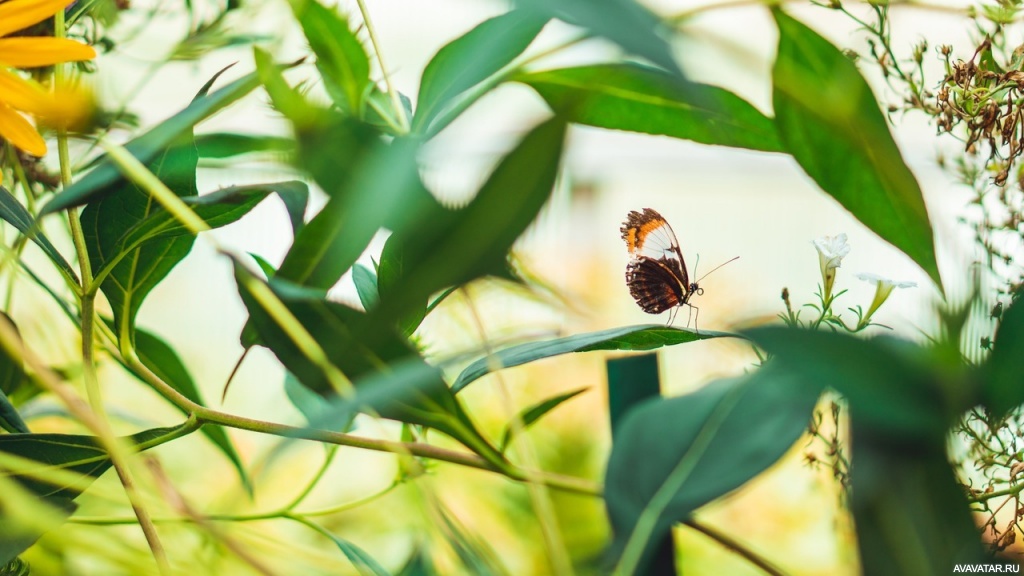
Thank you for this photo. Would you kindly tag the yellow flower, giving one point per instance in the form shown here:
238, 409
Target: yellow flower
20, 95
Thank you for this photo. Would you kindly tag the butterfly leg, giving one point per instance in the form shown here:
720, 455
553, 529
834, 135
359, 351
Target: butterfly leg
696, 317
672, 316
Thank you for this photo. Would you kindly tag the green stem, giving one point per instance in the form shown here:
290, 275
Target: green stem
396, 99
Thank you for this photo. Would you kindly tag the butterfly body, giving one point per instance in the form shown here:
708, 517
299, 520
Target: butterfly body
656, 274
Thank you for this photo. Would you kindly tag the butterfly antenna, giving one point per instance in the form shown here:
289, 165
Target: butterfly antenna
713, 269
695, 265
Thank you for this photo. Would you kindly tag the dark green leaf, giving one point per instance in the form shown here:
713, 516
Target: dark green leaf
644, 99
366, 286
631, 380
266, 267
673, 455
340, 56
225, 145
829, 121
888, 383
79, 454
16, 215
1004, 380
12, 370
471, 58
625, 22
911, 486
10, 420
163, 361
106, 221
390, 272
313, 407
370, 183
367, 353
454, 247
379, 111
106, 176
532, 414
220, 208
641, 337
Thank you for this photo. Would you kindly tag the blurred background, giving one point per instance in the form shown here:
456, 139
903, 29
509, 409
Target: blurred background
721, 202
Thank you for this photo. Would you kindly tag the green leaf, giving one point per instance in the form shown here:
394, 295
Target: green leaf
369, 354
531, 414
625, 22
366, 286
453, 247
106, 176
313, 407
163, 361
220, 208
829, 121
371, 183
16, 215
379, 112
910, 485
10, 420
671, 456
340, 56
138, 270
631, 379
644, 99
12, 370
361, 561
890, 384
74, 453
1003, 382
641, 337
227, 145
472, 58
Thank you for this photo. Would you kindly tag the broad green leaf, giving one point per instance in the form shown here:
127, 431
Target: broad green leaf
470, 59
16, 215
340, 56
226, 145
147, 147
390, 272
891, 385
625, 22
74, 453
640, 337
1003, 379
531, 414
369, 354
673, 455
910, 485
631, 379
163, 361
220, 208
644, 99
107, 220
418, 564
454, 247
366, 286
828, 119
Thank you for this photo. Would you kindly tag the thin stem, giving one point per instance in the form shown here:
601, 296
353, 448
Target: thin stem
540, 498
736, 547
396, 99
210, 416
328, 458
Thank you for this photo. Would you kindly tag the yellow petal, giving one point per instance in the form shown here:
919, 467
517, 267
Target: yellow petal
16, 130
21, 94
33, 52
18, 14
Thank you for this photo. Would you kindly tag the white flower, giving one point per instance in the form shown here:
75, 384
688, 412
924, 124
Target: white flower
883, 288
831, 251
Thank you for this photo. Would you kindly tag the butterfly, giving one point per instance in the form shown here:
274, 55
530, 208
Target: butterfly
656, 274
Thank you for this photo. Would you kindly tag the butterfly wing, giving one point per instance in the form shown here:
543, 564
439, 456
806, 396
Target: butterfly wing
653, 285
649, 236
